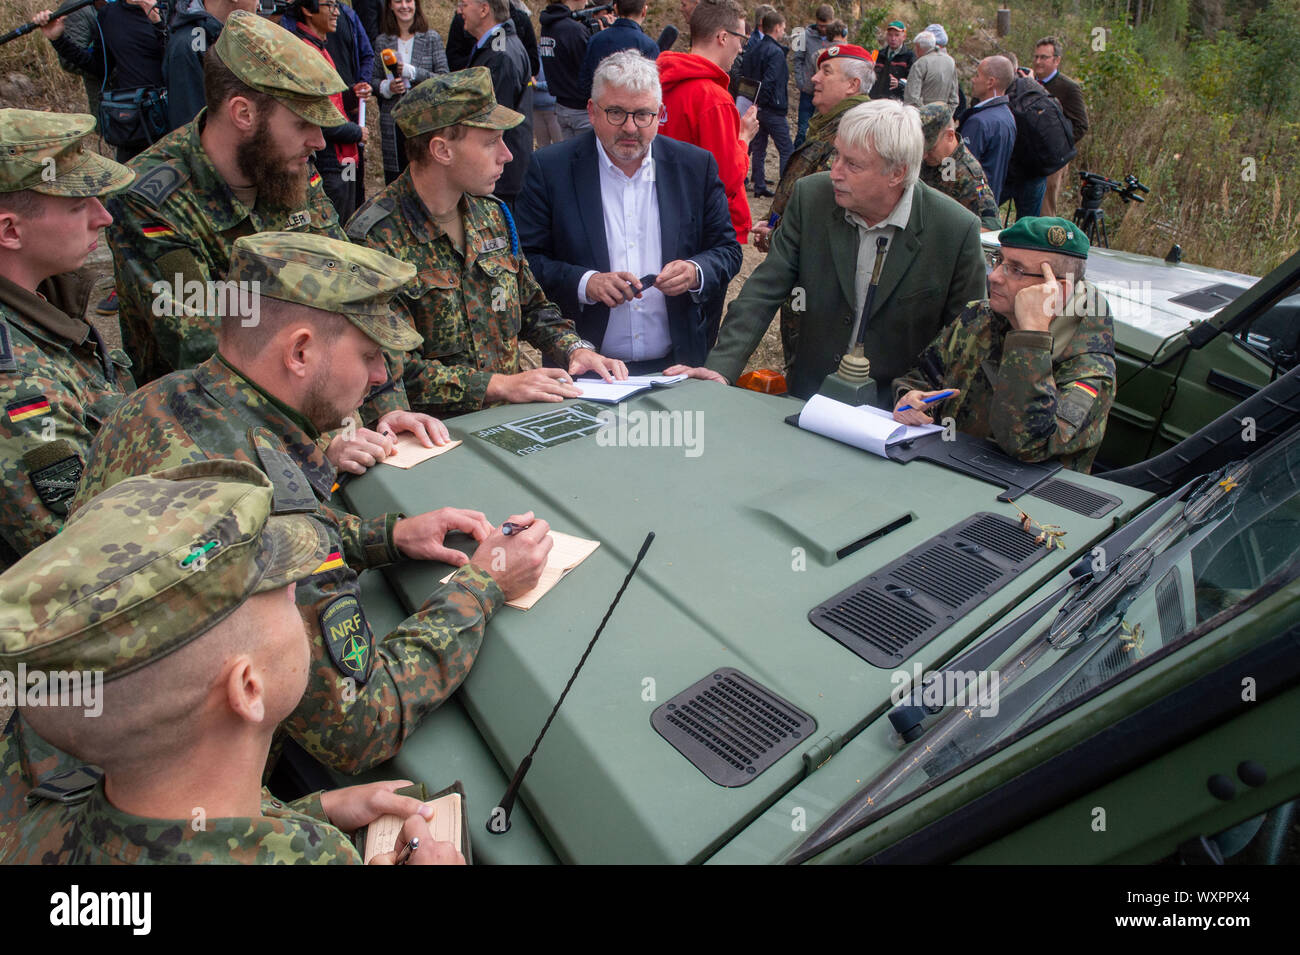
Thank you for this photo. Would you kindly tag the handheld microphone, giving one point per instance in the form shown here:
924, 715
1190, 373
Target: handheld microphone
667, 38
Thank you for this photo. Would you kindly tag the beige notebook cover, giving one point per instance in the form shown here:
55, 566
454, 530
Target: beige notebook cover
567, 553
447, 825
410, 452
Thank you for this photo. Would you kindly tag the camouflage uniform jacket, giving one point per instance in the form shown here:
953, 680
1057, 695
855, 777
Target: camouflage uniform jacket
1039, 395
966, 183
472, 309
58, 380
814, 155
364, 695
180, 217
94, 832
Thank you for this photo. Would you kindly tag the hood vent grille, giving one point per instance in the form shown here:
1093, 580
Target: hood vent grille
888, 616
1072, 497
730, 727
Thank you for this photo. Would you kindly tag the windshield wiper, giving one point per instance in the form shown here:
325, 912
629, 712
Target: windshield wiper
1075, 623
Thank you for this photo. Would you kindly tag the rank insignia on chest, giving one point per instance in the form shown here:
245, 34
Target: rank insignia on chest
299, 220
494, 245
346, 634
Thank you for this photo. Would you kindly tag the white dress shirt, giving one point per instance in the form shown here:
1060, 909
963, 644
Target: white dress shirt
637, 330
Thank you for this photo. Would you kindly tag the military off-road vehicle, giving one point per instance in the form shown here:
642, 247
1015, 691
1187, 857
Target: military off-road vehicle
829, 656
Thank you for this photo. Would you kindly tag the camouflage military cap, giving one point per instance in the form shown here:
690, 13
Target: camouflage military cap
149, 565
47, 153
1046, 234
332, 275
448, 99
271, 60
935, 118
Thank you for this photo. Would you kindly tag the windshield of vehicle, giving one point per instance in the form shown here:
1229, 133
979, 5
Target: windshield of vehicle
1275, 335
1234, 534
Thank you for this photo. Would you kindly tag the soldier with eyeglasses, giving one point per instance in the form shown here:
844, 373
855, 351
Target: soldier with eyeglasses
1033, 365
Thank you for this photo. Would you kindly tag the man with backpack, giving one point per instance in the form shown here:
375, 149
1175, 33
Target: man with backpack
1044, 143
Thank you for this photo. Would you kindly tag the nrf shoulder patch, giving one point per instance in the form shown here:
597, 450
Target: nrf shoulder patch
346, 634
54, 470
157, 184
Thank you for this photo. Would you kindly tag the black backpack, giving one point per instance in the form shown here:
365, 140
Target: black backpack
1044, 137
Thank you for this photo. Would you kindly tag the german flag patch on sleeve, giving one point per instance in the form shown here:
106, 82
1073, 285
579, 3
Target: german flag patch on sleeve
23, 408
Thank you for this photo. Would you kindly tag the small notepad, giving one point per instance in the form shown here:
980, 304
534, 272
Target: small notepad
566, 553
410, 452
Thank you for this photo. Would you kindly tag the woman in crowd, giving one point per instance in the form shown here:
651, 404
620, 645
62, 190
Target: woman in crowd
418, 53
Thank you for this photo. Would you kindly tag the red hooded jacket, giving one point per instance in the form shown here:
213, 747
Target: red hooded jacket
698, 110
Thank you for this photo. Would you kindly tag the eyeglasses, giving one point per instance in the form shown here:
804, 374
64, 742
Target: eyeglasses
739, 36
617, 116
1015, 271
328, 4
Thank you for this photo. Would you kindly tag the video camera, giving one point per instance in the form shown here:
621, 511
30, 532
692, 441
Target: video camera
1094, 187
588, 16
271, 8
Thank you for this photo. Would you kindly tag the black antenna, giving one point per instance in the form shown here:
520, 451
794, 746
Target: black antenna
497, 824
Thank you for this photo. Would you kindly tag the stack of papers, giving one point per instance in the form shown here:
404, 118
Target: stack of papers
594, 389
865, 427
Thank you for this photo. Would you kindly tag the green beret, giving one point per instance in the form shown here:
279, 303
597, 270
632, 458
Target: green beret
447, 99
332, 275
149, 565
47, 153
935, 118
268, 58
1046, 234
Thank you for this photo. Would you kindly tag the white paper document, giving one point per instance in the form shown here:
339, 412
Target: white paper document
607, 392
868, 428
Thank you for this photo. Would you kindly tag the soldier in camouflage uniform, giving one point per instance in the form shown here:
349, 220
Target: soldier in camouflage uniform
841, 82
949, 166
474, 295
58, 379
195, 652
1036, 376
365, 695
240, 167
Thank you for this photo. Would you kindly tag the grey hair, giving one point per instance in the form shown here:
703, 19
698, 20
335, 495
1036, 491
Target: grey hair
924, 42
857, 69
1000, 70
892, 130
629, 70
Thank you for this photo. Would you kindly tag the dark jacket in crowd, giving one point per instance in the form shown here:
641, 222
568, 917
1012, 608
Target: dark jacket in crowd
183, 65
512, 84
1069, 94
460, 45
900, 64
765, 62
623, 34
562, 48
989, 130
371, 15
134, 48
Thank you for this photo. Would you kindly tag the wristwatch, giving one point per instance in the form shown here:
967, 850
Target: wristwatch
580, 343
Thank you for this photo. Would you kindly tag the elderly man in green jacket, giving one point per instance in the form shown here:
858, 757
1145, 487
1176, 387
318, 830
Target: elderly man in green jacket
870, 203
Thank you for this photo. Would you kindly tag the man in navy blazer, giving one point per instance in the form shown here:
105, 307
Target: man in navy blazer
616, 204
